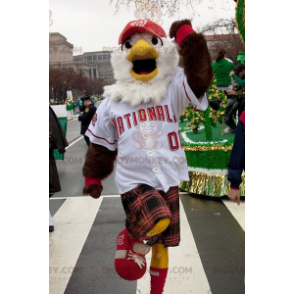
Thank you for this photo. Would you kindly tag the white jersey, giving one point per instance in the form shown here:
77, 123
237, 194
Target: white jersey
150, 149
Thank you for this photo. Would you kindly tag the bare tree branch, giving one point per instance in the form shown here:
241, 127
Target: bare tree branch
169, 7
65, 79
223, 34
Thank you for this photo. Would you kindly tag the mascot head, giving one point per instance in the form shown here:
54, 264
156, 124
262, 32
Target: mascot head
144, 64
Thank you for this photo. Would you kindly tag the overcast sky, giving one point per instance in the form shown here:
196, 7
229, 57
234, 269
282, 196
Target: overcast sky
92, 24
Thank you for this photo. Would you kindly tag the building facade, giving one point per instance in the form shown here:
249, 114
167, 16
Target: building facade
61, 54
99, 65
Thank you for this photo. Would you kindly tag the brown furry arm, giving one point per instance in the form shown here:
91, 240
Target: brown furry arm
98, 165
196, 59
99, 162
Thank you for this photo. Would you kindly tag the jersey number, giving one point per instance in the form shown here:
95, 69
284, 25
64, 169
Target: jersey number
174, 141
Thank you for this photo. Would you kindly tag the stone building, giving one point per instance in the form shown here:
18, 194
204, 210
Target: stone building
61, 54
99, 65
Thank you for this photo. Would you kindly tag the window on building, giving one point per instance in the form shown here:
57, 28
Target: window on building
95, 57
94, 73
90, 75
104, 56
99, 57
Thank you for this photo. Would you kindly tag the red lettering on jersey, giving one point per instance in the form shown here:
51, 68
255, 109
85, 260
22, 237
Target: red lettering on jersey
127, 117
173, 141
94, 119
120, 125
142, 115
116, 129
134, 118
160, 113
175, 119
151, 113
167, 113
182, 145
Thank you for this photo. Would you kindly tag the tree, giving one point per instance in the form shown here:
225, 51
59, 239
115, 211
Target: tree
226, 37
65, 79
170, 8
94, 86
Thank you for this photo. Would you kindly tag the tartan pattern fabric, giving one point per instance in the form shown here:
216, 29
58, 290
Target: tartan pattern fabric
144, 207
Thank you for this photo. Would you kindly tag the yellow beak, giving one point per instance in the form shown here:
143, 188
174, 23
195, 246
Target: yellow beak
142, 50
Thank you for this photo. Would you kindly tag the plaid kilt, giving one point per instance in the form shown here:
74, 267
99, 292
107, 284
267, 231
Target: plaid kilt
144, 207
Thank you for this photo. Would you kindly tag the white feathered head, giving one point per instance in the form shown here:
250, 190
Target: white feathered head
143, 65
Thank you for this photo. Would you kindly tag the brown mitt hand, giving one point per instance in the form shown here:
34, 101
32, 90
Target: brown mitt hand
93, 190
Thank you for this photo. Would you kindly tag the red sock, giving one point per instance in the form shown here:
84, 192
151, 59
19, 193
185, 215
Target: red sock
158, 277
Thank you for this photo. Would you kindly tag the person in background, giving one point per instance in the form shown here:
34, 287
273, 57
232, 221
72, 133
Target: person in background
236, 100
239, 81
237, 161
86, 117
75, 105
80, 105
69, 108
221, 69
58, 141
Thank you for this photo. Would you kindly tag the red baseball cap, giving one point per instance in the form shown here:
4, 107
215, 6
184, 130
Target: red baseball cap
141, 26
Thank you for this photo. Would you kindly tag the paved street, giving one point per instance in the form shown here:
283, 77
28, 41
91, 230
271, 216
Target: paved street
210, 258
73, 129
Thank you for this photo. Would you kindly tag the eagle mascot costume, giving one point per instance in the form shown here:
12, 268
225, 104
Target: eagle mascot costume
138, 124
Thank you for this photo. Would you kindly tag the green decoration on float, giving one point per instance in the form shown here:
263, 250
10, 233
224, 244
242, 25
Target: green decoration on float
207, 125
240, 19
198, 118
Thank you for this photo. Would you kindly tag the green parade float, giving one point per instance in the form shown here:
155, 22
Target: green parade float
206, 146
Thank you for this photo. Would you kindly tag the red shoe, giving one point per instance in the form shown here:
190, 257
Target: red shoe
130, 262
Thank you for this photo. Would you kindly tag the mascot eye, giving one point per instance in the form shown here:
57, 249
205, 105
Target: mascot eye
128, 45
154, 41
152, 124
143, 125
